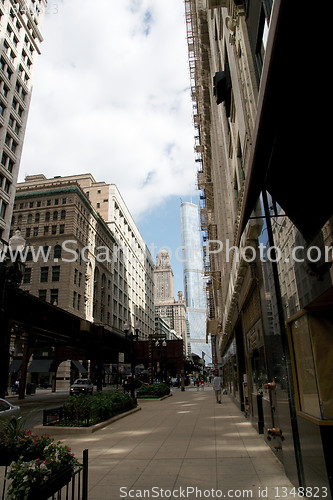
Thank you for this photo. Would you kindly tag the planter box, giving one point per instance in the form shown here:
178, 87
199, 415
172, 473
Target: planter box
54, 484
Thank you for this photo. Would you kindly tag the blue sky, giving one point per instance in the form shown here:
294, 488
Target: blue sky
111, 97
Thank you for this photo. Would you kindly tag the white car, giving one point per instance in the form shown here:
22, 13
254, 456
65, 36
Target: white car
81, 386
8, 411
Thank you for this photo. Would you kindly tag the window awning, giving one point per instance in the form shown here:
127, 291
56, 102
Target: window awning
15, 365
287, 156
40, 366
80, 367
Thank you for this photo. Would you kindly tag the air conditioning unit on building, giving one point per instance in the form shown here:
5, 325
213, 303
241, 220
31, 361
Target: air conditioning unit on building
212, 4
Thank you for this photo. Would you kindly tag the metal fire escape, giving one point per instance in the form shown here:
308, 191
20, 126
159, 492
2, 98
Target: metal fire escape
200, 80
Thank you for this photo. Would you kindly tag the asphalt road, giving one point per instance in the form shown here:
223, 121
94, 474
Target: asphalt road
32, 406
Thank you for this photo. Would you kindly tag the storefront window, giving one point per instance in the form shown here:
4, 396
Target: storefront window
305, 367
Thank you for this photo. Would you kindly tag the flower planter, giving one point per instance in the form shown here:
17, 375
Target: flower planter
57, 481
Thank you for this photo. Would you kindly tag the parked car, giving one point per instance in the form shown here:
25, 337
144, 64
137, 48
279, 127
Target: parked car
8, 411
129, 382
81, 386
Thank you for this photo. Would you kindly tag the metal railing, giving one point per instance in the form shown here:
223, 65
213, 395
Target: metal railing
54, 416
76, 488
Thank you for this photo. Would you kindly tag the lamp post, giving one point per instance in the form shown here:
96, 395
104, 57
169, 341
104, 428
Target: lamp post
10, 279
158, 337
161, 344
132, 337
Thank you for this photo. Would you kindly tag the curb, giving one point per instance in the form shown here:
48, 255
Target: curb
154, 399
54, 430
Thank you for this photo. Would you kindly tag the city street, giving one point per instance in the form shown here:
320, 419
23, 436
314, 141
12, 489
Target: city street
32, 406
185, 446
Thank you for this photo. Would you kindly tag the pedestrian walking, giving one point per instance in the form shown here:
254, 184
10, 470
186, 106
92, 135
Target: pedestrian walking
202, 384
197, 382
217, 386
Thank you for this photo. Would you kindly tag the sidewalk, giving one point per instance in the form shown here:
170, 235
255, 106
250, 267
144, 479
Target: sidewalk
186, 446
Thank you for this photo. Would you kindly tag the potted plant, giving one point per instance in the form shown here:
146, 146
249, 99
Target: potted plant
39, 466
42, 477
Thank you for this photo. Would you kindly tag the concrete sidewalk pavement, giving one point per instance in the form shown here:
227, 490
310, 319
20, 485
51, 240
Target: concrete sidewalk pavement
186, 446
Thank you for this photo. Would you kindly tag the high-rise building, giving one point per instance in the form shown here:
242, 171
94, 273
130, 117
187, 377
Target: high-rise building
20, 28
163, 277
133, 298
194, 285
64, 237
170, 310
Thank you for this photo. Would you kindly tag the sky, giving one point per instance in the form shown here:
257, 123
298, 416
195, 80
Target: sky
111, 97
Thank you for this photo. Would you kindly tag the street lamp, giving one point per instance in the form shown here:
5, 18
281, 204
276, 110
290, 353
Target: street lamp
131, 337
161, 344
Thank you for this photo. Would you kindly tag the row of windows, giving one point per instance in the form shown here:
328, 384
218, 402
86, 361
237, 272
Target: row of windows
34, 231
39, 203
47, 217
45, 274
54, 295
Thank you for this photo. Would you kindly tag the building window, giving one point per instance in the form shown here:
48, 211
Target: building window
78, 301
47, 216
54, 230
27, 232
37, 217
74, 299
63, 214
64, 201
57, 252
54, 296
55, 273
75, 276
56, 201
35, 231
55, 215
61, 228
46, 230
42, 294
27, 275
3, 209
44, 274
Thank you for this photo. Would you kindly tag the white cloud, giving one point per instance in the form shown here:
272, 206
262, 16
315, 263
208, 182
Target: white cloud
111, 97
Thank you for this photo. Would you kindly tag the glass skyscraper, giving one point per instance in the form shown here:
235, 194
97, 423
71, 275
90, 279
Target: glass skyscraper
194, 291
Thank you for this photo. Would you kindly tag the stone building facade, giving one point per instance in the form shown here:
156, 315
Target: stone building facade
166, 306
269, 319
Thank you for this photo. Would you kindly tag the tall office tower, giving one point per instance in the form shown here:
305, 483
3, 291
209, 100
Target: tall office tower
163, 277
20, 38
133, 266
166, 307
196, 306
